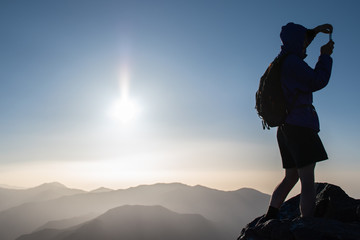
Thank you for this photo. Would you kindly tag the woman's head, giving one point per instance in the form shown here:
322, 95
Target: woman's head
295, 39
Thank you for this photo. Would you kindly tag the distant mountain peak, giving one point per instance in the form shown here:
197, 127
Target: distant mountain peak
248, 190
102, 190
172, 184
159, 186
52, 185
10, 187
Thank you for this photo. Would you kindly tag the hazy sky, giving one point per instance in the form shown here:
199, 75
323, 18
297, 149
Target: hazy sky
120, 93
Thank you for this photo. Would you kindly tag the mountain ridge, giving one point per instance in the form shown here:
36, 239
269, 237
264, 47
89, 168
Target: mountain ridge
230, 210
135, 222
46, 191
101, 190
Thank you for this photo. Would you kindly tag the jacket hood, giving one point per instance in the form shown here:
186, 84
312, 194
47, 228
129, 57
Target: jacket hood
293, 36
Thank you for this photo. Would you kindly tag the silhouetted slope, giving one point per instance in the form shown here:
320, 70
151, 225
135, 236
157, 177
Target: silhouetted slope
14, 197
136, 223
101, 190
66, 223
229, 210
10, 187
339, 219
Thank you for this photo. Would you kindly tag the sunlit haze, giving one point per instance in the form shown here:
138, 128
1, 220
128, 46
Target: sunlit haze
122, 93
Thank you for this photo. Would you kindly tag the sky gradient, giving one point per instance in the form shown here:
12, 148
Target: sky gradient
191, 67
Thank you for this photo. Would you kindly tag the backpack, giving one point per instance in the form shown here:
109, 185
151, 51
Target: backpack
270, 100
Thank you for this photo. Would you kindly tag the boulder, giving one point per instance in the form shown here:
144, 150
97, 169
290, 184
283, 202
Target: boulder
337, 218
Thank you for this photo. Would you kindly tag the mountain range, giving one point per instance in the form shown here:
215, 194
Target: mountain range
135, 223
14, 197
54, 211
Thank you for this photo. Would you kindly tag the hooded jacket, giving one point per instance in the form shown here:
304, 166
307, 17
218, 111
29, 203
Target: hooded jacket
299, 80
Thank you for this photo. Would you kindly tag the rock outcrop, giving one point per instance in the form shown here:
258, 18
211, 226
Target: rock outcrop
338, 219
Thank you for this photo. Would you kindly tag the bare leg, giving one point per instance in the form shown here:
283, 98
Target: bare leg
307, 197
282, 190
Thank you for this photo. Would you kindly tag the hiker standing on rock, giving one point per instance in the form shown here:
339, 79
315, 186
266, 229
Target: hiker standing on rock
298, 140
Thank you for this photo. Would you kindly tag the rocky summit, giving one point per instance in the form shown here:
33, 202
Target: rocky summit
337, 218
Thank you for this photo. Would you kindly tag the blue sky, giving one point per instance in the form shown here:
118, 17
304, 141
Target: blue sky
192, 67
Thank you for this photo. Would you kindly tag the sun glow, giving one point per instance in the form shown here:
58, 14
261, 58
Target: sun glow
124, 110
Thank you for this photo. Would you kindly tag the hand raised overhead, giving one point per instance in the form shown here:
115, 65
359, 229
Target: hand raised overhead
324, 28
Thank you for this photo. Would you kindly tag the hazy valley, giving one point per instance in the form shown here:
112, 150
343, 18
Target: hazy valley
159, 211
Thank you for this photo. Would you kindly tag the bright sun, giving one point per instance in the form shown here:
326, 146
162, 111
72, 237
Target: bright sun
124, 110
